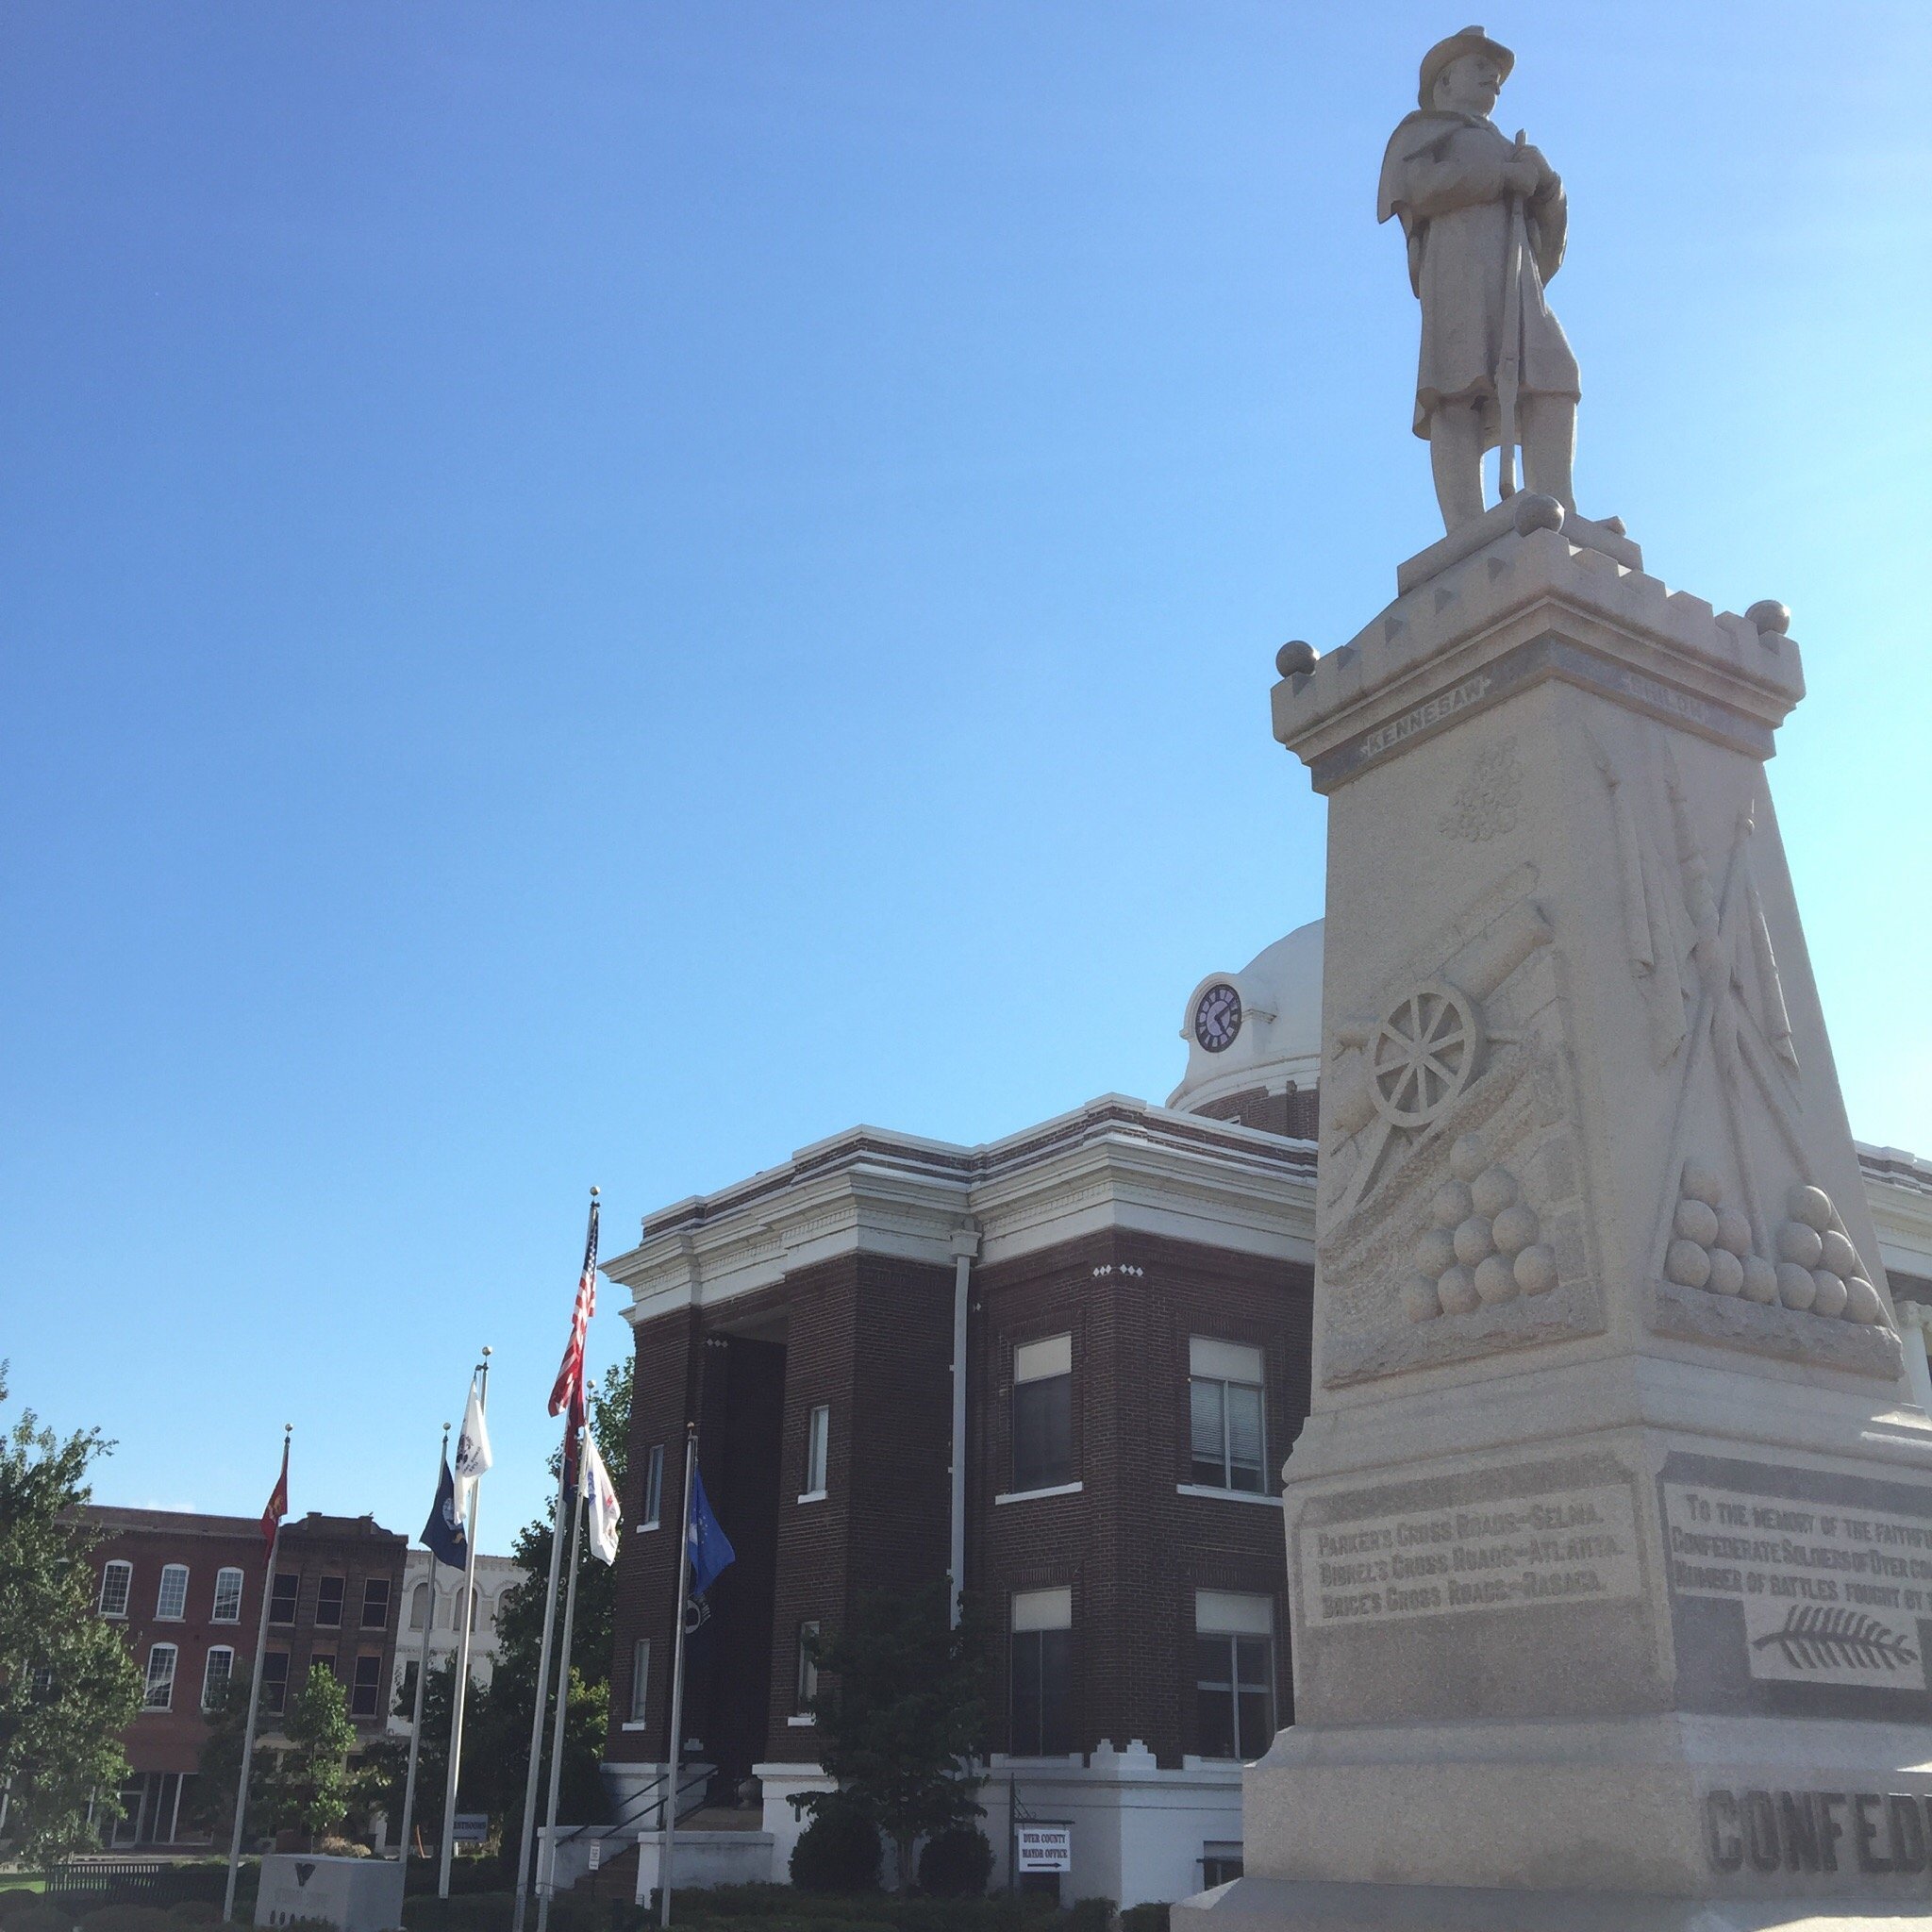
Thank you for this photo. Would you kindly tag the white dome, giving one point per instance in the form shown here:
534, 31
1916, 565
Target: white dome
1277, 1037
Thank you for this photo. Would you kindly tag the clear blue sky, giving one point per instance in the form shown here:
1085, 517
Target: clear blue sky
594, 594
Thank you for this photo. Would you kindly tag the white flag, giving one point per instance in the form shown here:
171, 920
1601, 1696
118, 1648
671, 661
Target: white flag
601, 1495
473, 1452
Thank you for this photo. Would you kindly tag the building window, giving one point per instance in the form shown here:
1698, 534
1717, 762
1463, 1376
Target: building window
171, 1605
281, 1607
1225, 1407
654, 1493
806, 1686
318, 1660
374, 1606
1219, 1861
117, 1579
1042, 1674
1043, 1413
228, 1599
818, 1436
275, 1683
329, 1606
419, 1612
365, 1694
158, 1693
1234, 1674
639, 1679
214, 1681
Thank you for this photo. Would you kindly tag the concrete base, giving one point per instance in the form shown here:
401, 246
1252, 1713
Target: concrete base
357, 1894
1277, 1905
705, 1857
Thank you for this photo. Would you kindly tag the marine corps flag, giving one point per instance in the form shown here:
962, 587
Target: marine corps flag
279, 1500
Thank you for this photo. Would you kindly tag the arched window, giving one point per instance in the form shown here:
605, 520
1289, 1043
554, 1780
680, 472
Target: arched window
419, 1616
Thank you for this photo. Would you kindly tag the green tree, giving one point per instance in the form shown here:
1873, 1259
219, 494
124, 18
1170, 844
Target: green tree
520, 1632
388, 1758
904, 1716
310, 1787
68, 1686
213, 1799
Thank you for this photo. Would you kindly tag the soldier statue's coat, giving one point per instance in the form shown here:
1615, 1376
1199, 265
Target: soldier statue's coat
1442, 176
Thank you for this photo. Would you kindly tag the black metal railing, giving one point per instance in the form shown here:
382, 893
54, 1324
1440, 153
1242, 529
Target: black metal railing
649, 1799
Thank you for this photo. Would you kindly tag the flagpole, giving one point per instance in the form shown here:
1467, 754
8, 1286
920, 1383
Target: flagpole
465, 1616
268, 1587
542, 1694
547, 1870
675, 1753
422, 1676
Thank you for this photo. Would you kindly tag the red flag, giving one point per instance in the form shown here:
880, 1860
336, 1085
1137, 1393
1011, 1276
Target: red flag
568, 1391
277, 1502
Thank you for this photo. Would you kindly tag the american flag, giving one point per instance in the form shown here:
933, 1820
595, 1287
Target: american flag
569, 1390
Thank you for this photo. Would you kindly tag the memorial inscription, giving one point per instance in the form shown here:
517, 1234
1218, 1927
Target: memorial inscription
1829, 1595
1566, 1546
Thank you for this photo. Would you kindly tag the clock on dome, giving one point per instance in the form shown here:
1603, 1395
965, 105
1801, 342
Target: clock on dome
1218, 1017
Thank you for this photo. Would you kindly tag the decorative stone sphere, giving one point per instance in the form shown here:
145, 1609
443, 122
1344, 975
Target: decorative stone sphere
1701, 1183
1813, 1206
1456, 1292
1536, 1269
1733, 1232
1687, 1264
1839, 1256
1861, 1304
1795, 1287
1830, 1299
1696, 1220
1419, 1304
1760, 1280
1533, 512
1436, 1252
1767, 614
1492, 1191
1293, 658
1473, 1244
1514, 1230
1495, 1280
1726, 1275
1450, 1208
1467, 1156
1797, 1242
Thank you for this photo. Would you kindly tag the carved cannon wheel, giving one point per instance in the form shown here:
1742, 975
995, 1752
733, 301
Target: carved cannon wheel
1422, 1055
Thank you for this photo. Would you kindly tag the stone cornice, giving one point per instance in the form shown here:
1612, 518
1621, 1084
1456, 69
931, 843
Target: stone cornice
1114, 1162
1898, 1186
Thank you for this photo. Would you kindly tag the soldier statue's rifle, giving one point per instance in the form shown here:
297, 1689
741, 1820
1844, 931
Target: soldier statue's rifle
1509, 363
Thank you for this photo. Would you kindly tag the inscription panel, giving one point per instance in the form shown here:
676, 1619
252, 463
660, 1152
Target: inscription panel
1830, 1594
1562, 1546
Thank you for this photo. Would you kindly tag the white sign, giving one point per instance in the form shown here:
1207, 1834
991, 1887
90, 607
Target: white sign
1045, 1847
471, 1827
1563, 1546
596, 1846
1830, 1595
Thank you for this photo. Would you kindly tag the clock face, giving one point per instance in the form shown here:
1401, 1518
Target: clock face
1218, 1017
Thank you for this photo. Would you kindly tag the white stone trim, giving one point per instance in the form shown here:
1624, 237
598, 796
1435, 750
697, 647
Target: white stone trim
1020, 1496
1213, 1495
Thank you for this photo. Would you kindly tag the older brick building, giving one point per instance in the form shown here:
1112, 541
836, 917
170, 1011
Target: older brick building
1122, 1299
186, 1593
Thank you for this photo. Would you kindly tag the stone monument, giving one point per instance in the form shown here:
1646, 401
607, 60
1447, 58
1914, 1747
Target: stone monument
1609, 1534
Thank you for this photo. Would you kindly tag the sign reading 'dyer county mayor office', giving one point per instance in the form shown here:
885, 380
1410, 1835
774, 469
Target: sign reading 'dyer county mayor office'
1558, 1546
1832, 1593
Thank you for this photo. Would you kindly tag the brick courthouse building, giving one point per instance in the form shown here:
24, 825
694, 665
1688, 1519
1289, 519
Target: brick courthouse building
1122, 1297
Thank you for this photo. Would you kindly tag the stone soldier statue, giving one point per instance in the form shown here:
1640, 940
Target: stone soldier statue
1485, 220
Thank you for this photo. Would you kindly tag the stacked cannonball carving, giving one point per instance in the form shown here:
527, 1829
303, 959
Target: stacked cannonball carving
1816, 1267
1485, 1245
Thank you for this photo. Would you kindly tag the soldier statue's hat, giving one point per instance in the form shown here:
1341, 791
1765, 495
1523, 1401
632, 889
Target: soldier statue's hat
1472, 40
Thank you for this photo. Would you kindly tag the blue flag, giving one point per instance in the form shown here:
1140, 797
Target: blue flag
710, 1548
443, 1535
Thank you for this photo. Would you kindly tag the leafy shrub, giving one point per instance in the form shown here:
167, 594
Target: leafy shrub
1090, 1915
195, 1912
473, 1911
126, 1917
342, 1848
838, 1851
958, 1863
1151, 1917
36, 1915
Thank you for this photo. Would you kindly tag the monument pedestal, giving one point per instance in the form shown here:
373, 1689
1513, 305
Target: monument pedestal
1610, 1530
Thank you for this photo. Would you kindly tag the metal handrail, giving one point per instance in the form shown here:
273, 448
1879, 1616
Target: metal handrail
644, 1799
